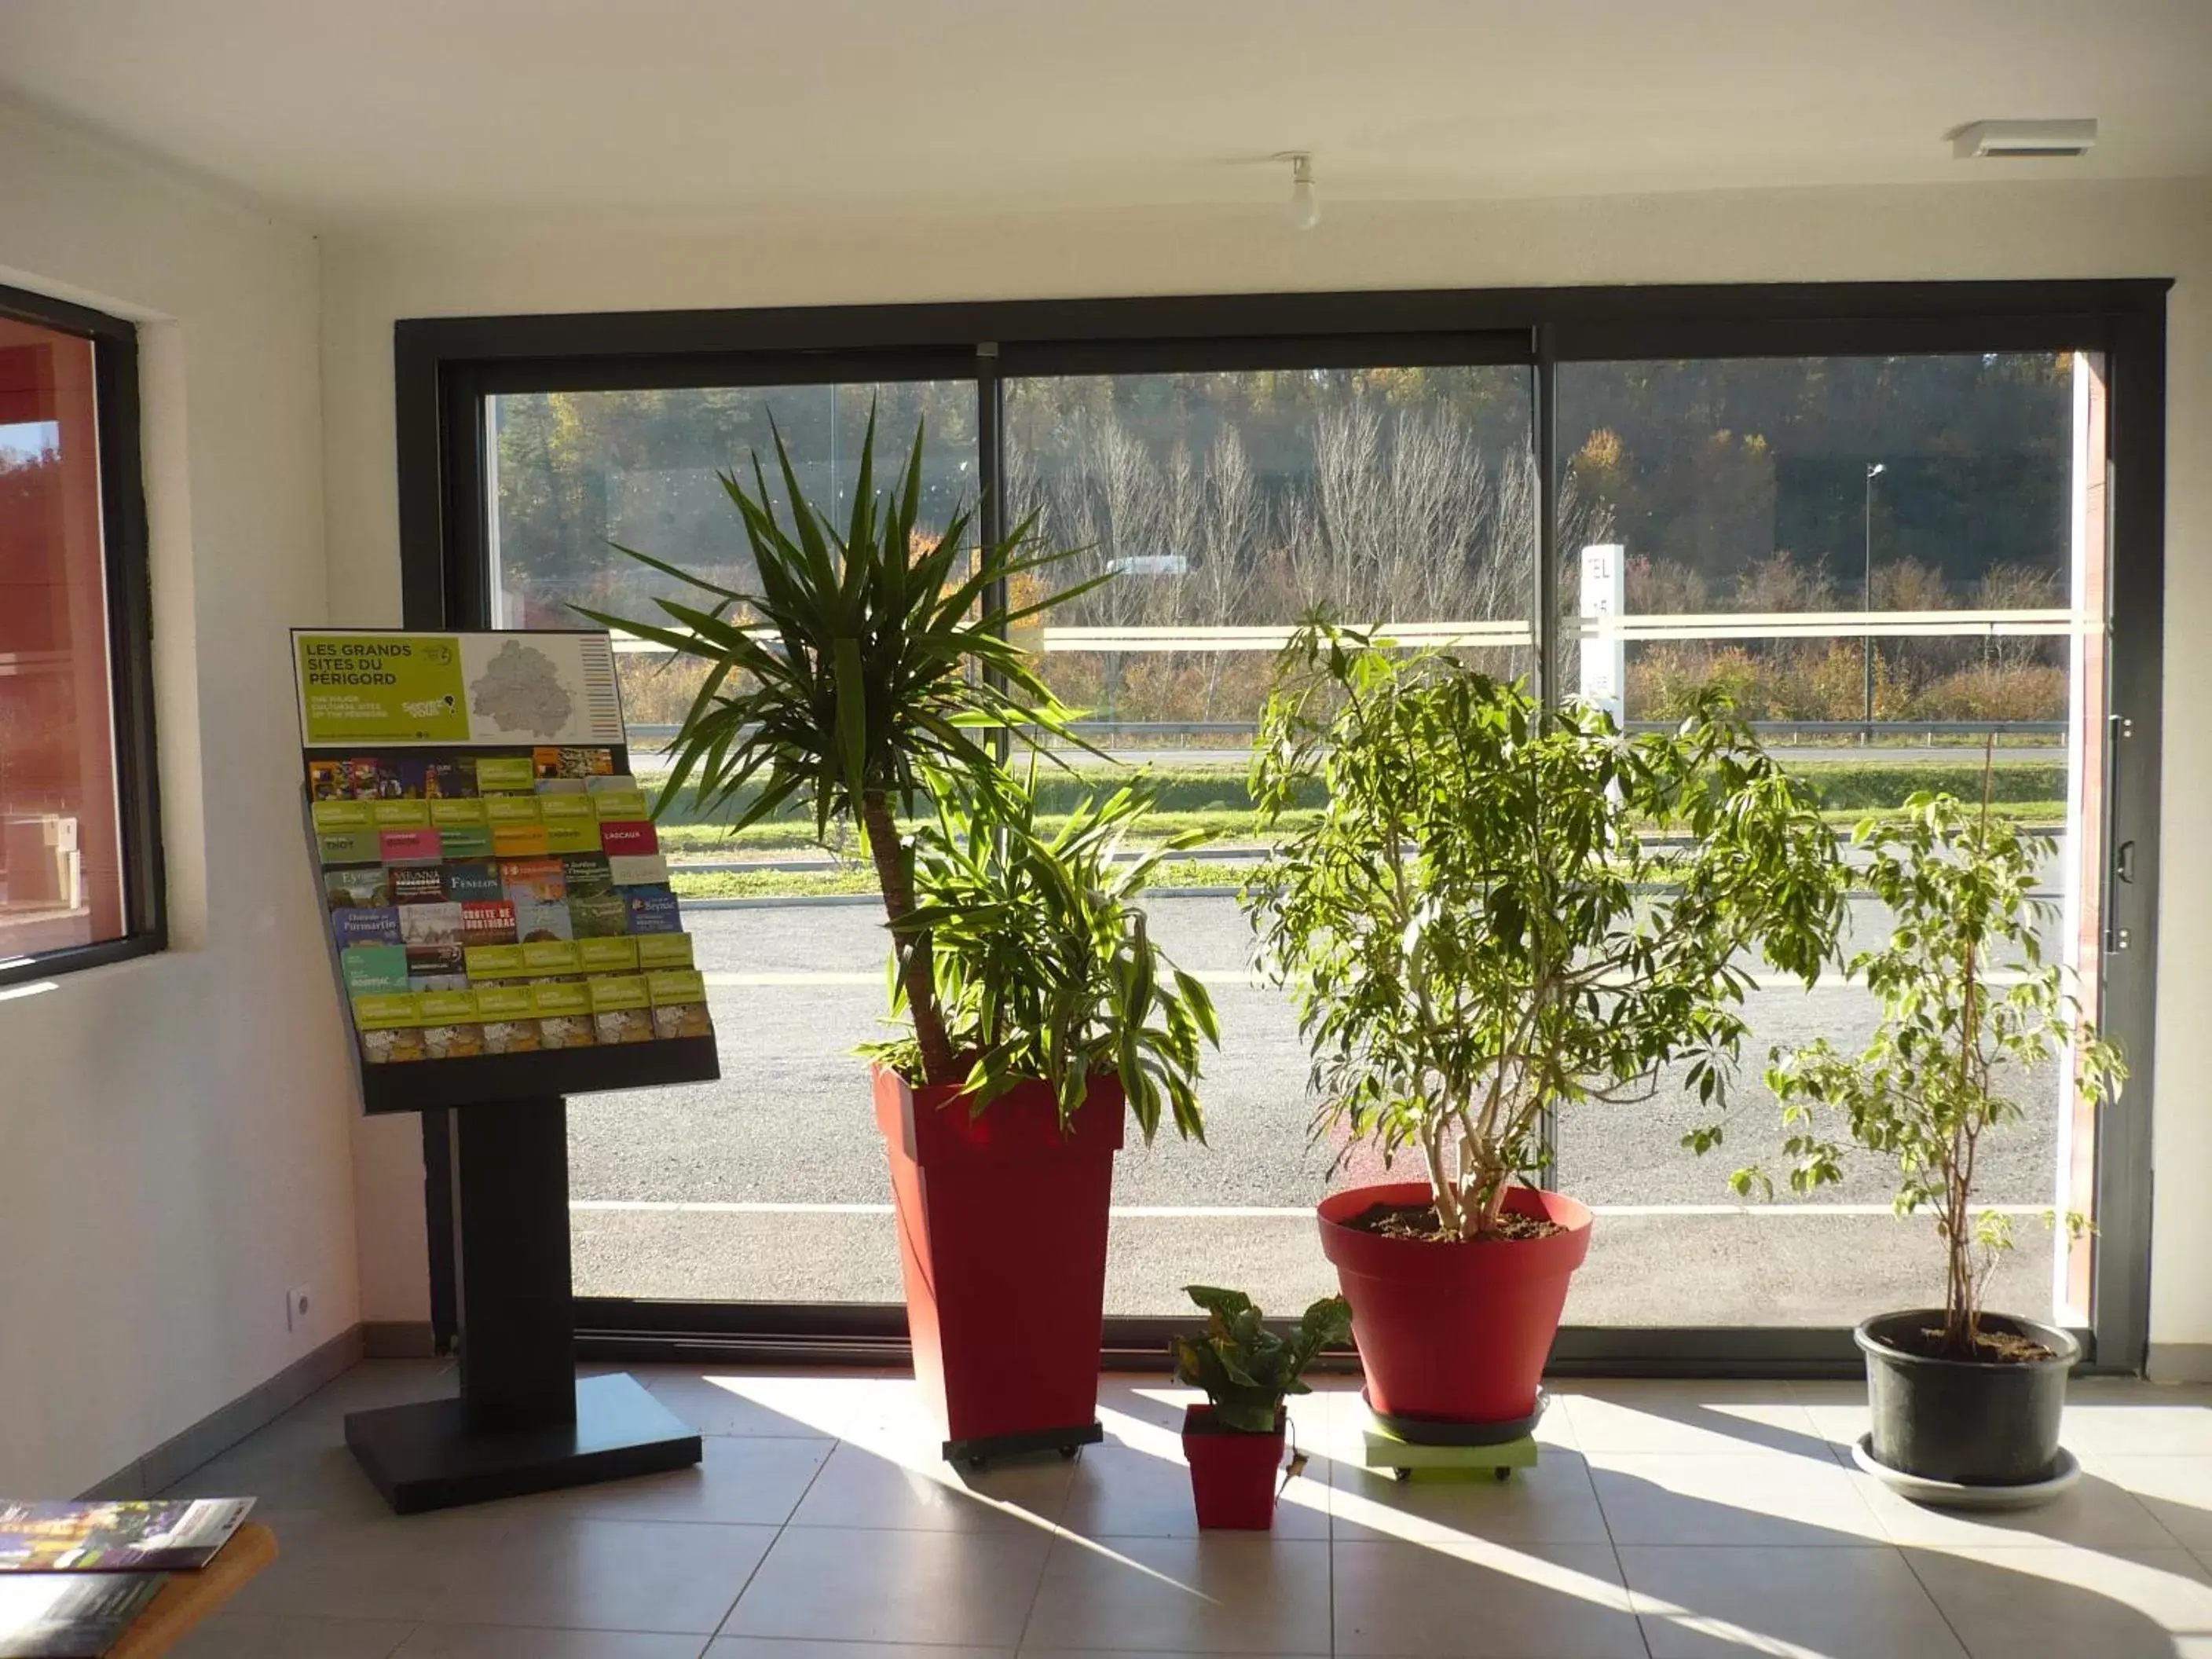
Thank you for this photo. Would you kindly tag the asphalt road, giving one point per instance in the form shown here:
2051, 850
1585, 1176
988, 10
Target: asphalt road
784, 1155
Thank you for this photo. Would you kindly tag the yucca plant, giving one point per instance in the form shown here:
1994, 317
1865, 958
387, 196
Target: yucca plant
1044, 963
869, 655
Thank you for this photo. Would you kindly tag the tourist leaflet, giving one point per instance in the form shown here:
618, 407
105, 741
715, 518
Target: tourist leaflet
116, 1536
481, 842
59, 1615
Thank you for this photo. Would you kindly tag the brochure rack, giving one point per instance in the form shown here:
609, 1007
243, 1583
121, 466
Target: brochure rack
388, 718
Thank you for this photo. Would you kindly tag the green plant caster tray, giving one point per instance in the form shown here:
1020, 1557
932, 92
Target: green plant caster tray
1405, 1459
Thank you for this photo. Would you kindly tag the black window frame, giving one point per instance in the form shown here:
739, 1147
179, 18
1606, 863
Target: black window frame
444, 367
128, 575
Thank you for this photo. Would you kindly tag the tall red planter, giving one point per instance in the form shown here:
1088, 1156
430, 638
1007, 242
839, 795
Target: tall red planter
1453, 1333
1002, 1243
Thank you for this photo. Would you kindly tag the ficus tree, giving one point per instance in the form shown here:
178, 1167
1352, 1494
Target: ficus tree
869, 654
1502, 910
1970, 1011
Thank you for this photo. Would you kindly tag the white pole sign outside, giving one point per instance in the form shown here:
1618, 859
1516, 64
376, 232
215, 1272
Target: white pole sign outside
1604, 679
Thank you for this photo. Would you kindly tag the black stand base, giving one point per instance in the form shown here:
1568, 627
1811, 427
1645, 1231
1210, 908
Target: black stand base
524, 1423
982, 1450
425, 1456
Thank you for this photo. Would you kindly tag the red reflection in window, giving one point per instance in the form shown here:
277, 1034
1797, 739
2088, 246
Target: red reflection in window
61, 880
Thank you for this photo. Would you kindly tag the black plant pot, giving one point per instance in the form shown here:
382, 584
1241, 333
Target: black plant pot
1975, 1423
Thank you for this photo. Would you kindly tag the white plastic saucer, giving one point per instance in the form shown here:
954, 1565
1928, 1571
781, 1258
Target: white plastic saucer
1951, 1495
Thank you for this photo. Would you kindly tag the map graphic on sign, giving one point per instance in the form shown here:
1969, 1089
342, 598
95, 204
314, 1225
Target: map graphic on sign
520, 690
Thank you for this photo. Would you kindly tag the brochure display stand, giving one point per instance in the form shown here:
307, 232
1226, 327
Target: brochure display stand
504, 934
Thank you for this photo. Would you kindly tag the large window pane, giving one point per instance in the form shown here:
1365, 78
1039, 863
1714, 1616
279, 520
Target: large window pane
1227, 506
771, 1184
1888, 563
61, 866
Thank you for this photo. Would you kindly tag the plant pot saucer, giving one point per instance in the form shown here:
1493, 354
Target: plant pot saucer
1432, 1431
1952, 1495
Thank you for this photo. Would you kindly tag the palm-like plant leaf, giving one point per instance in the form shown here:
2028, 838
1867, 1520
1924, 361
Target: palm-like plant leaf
865, 660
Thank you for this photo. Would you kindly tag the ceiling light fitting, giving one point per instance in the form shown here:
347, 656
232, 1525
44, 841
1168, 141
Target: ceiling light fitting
1305, 200
2022, 140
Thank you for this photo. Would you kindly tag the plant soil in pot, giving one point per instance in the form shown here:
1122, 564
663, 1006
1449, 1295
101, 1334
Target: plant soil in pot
1002, 1245
1454, 1331
1234, 1474
1989, 1421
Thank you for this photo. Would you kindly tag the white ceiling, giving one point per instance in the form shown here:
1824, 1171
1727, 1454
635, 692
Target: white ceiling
351, 112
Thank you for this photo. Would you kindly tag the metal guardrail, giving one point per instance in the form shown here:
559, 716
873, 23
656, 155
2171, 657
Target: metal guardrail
644, 734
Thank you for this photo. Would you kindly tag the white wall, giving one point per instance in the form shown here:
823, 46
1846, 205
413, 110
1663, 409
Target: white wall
1994, 230
173, 1130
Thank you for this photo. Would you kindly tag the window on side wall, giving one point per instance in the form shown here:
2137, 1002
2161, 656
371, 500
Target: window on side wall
79, 833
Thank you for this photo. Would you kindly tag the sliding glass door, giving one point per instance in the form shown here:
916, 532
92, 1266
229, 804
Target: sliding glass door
1895, 566
1227, 507
1896, 528
768, 1186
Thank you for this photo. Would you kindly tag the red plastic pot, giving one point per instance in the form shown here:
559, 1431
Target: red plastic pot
1453, 1333
1002, 1243
1234, 1475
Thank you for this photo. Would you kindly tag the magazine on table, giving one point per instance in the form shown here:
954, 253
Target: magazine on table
60, 1615
170, 1534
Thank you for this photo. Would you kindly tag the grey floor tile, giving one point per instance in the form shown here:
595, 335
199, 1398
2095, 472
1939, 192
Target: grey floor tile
387, 1567
510, 1642
2176, 1490
1476, 1599
823, 1526
1860, 1603
1707, 1418
2053, 1602
582, 1573
285, 1636
1758, 1498
715, 1403
774, 1647
749, 1479
1217, 1593
852, 1584
861, 1487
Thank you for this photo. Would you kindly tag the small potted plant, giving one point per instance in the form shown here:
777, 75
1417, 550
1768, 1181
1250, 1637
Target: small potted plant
866, 679
1501, 910
1959, 1397
1234, 1442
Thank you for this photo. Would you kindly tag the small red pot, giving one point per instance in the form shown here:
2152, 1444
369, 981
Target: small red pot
1234, 1476
1453, 1333
1002, 1244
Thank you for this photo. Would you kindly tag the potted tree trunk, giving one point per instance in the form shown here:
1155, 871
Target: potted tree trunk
1500, 911
866, 677
1965, 1403
1234, 1442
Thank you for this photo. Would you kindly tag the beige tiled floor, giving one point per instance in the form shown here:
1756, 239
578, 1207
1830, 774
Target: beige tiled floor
1664, 1519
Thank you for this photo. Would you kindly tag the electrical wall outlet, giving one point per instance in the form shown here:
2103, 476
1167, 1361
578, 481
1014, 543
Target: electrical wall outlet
296, 1302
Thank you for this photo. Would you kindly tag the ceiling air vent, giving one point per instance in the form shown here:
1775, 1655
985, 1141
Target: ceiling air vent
2016, 140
